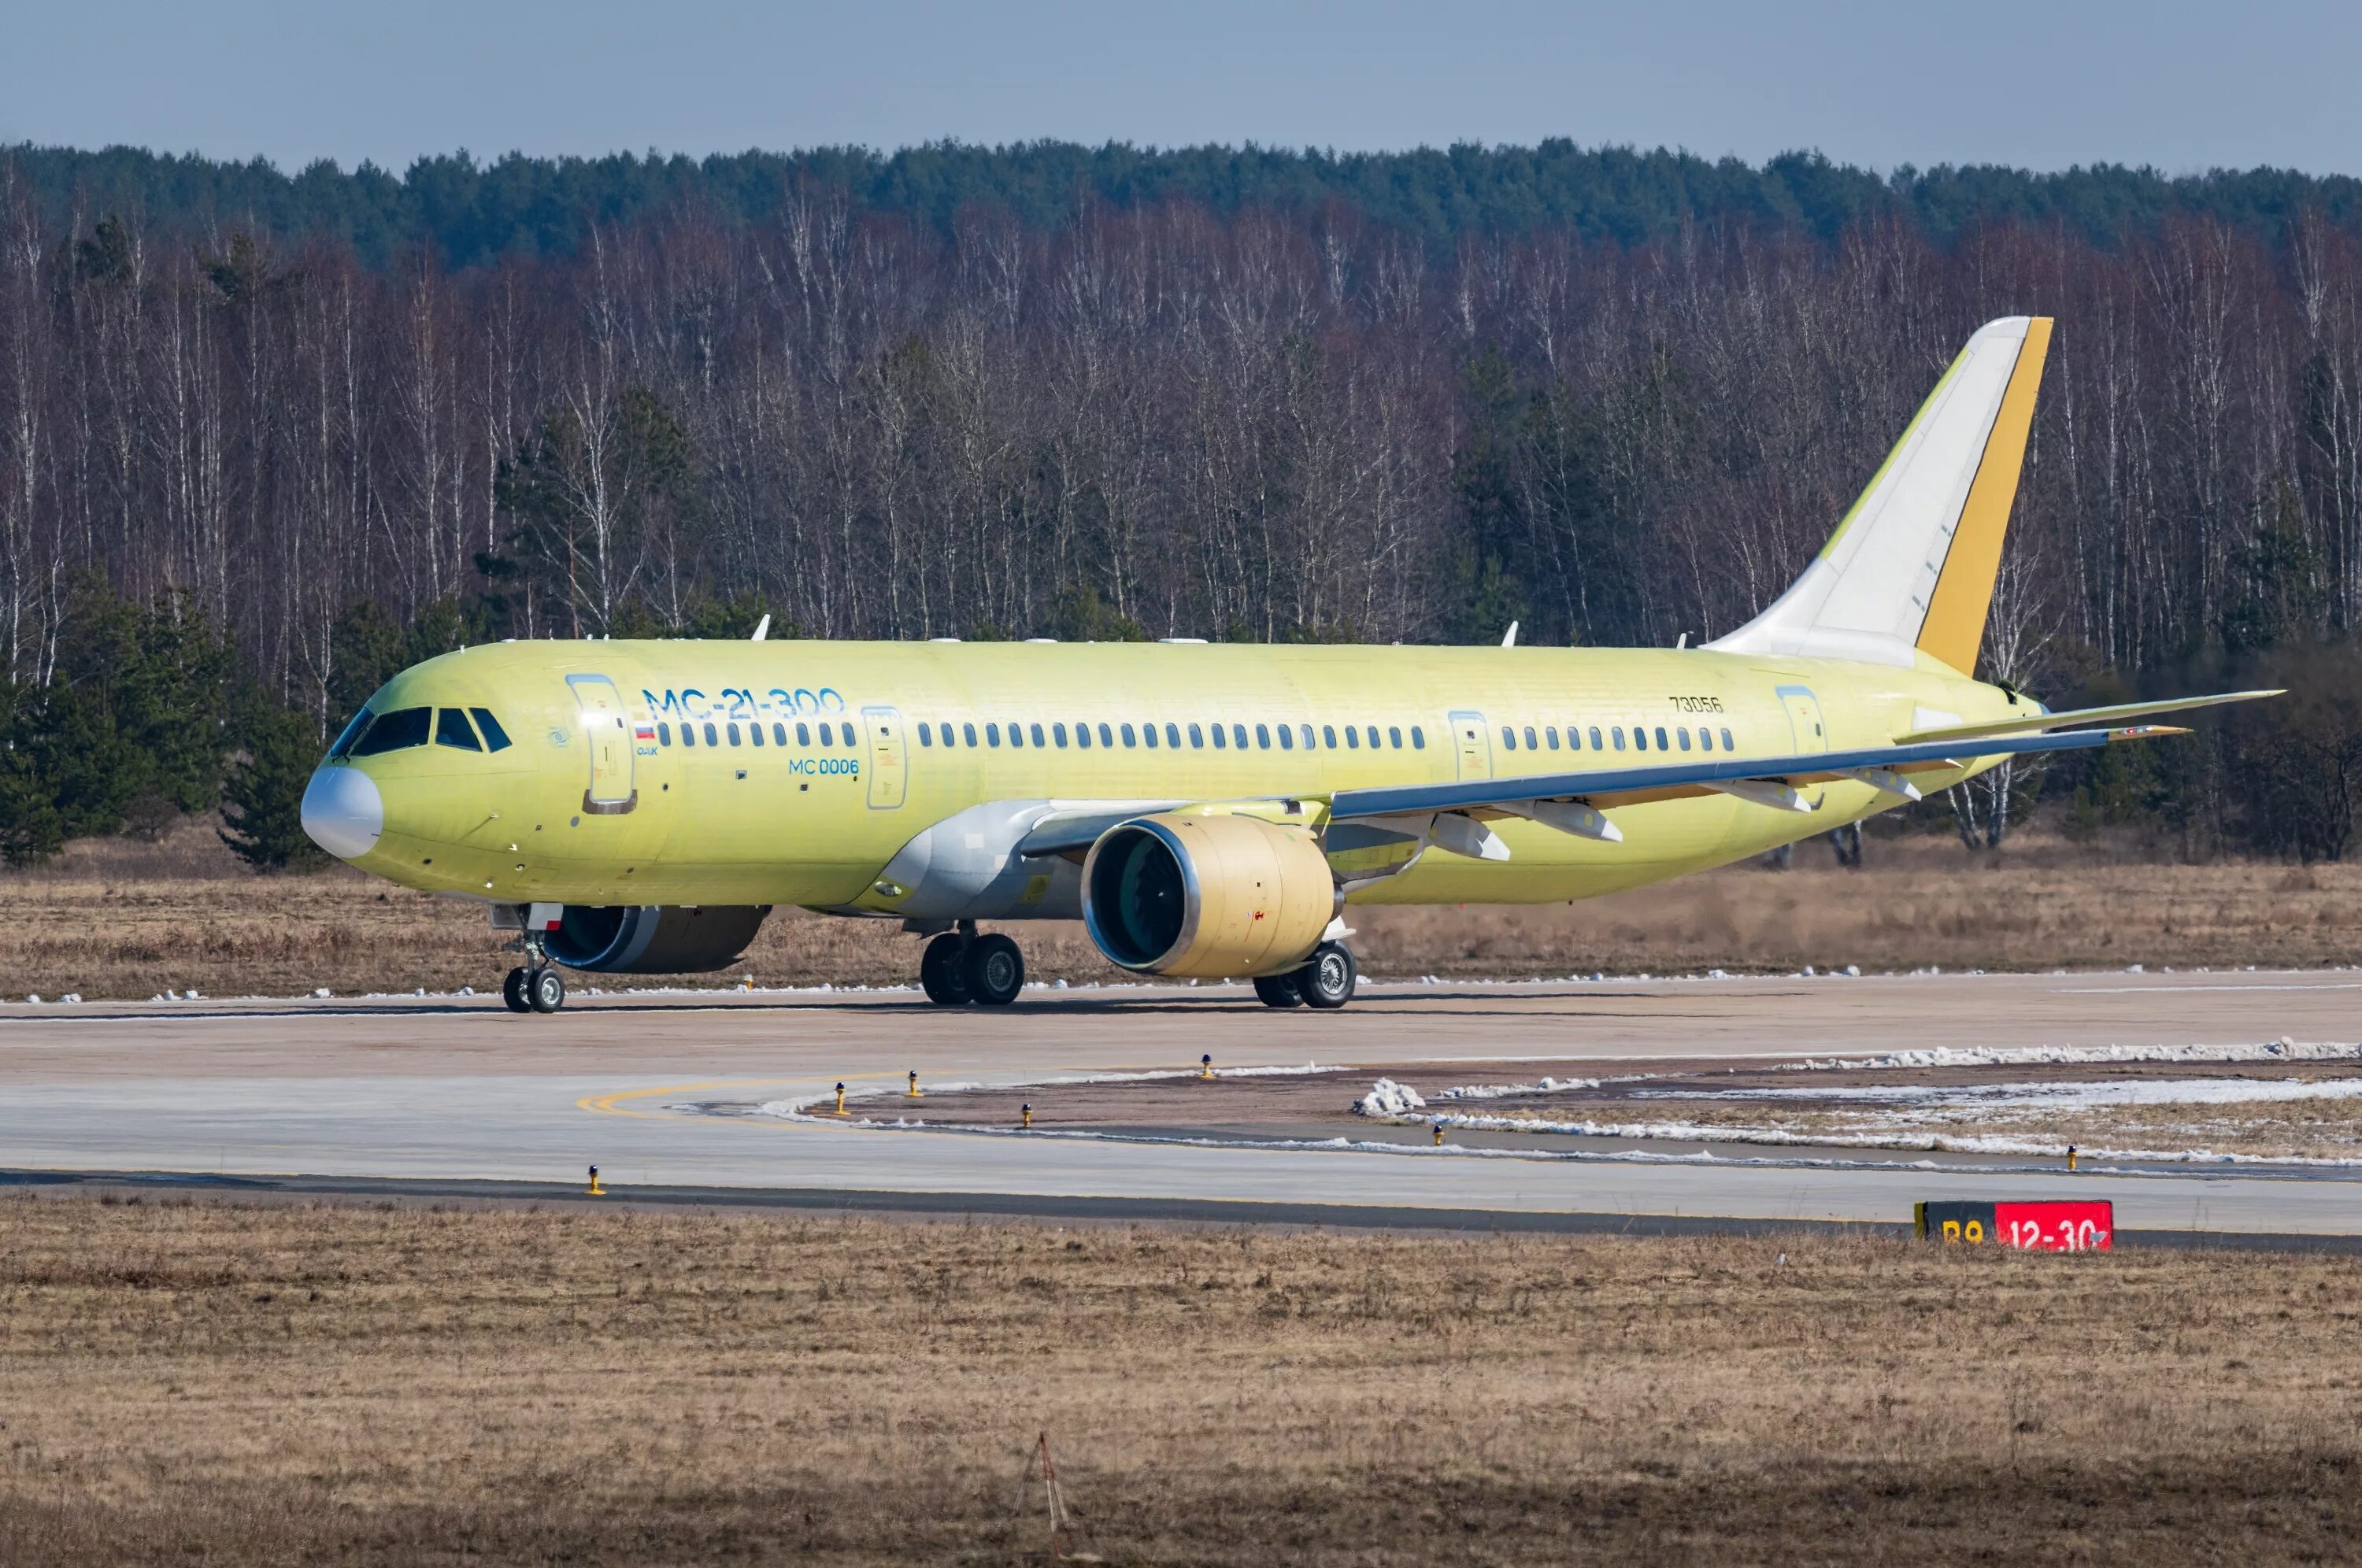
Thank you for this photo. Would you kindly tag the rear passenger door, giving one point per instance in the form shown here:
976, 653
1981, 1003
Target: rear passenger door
1806, 728
1808, 732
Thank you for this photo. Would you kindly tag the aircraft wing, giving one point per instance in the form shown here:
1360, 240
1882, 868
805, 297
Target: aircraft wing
2111, 715
1573, 801
1770, 780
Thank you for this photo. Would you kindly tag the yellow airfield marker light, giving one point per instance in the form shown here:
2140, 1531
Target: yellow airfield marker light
596, 1190
912, 1092
2070, 1157
1205, 1065
1439, 1134
840, 1099
1026, 1111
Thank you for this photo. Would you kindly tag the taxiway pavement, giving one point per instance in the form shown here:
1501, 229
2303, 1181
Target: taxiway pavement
452, 1090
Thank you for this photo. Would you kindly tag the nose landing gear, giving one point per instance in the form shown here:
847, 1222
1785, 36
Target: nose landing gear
959, 968
534, 986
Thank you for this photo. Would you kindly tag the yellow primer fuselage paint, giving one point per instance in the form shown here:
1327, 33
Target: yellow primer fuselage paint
813, 823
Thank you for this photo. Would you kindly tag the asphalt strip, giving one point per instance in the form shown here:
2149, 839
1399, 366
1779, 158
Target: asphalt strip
1022, 1206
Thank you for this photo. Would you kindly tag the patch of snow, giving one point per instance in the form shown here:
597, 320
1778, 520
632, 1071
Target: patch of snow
1505, 1092
2281, 1050
1387, 1097
2044, 1097
1970, 1143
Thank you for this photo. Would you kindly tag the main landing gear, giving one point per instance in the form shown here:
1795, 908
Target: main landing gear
959, 968
1324, 980
536, 985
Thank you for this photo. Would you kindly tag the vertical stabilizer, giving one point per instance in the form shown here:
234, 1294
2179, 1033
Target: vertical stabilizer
1912, 567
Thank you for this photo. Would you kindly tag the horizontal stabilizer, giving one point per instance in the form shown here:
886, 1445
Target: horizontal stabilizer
2032, 723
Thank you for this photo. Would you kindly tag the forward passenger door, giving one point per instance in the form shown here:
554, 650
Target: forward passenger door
607, 735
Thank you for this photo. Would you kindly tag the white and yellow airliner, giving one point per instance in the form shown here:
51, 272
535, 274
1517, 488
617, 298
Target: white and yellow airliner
1207, 809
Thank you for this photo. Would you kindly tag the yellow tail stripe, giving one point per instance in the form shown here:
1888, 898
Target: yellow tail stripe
1955, 627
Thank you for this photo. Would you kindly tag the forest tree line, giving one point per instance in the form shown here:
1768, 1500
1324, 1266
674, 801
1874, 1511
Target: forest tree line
293, 465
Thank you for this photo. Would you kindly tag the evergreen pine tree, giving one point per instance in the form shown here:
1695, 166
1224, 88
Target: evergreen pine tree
262, 792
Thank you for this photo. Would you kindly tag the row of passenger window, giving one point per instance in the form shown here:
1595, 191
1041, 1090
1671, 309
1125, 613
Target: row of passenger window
371, 733
837, 734
1667, 739
1226, 736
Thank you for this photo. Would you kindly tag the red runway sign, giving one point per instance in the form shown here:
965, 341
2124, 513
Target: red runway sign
2066, 1225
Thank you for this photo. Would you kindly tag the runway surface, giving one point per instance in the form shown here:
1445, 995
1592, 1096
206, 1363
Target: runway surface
452, 1091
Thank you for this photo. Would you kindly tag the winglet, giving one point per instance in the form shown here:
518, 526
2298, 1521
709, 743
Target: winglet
762, 629
1509, 639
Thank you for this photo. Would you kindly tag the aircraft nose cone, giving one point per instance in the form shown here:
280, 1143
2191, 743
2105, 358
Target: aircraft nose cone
343, 811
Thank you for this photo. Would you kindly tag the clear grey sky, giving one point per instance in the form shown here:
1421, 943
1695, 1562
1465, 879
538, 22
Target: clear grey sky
2184, 86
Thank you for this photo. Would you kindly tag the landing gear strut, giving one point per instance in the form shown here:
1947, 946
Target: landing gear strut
534, 986
1324, 980
959, 967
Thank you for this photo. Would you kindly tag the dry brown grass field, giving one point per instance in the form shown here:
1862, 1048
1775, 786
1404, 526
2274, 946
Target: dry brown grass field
201, 1382
118, 919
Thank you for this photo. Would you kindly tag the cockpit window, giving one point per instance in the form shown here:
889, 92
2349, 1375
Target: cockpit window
397, 731
352, 733
451, 729
495, 737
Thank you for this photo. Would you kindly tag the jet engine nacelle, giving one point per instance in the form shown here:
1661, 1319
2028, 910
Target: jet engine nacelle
654, 939
1207, 897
